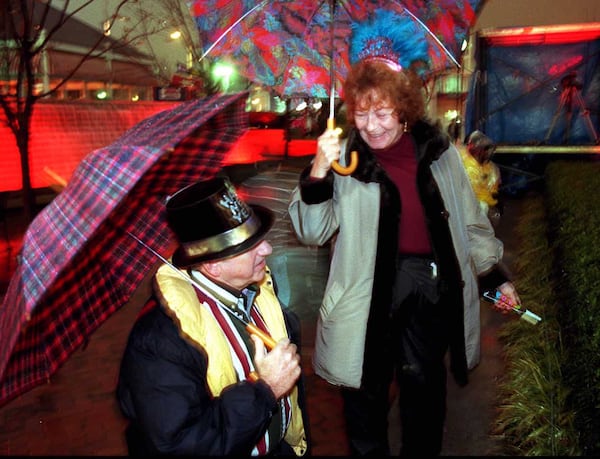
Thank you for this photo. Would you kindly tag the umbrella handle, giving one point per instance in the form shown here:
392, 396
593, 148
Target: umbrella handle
336, 166
269, 344
254, 330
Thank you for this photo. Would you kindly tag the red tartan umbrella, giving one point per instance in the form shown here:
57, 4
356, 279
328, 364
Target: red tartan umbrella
77, 264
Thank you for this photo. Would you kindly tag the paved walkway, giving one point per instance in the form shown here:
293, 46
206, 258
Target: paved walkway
75, 412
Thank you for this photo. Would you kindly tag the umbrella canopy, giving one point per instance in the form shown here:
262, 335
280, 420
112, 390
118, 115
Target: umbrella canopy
301, 47
297, 46
77, 264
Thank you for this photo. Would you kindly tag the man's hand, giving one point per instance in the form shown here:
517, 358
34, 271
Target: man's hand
280, 368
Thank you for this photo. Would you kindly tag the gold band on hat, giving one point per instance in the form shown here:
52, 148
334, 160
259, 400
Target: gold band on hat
220, 242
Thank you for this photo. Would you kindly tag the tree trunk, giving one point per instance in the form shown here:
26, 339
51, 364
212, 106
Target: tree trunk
28, 194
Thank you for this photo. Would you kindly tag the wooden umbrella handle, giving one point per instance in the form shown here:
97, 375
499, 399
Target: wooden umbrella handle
336, 166
341, 170
265, 338
268, 340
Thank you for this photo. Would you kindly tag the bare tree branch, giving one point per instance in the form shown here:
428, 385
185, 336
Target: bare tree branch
27, 27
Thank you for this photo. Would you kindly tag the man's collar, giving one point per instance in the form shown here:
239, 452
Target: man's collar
225, 294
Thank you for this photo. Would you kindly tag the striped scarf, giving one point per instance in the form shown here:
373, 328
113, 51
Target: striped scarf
204, 320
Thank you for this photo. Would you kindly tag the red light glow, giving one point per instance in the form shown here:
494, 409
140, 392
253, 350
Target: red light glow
542, 35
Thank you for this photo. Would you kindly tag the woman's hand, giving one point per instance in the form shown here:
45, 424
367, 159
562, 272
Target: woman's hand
510, 297
328, 150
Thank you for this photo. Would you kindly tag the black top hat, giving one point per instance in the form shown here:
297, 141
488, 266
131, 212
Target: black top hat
211, 222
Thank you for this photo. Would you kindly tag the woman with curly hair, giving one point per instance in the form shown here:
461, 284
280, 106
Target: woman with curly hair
410, 250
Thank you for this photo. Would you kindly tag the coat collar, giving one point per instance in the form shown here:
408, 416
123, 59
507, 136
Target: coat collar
430, 143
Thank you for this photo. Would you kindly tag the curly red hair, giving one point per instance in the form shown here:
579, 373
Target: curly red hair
373, 84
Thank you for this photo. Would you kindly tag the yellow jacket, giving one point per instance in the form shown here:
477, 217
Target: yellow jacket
484, 178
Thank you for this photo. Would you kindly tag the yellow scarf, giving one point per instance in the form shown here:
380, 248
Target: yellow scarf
199, 327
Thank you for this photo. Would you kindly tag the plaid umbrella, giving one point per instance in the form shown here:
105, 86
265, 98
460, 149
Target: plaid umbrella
77, 264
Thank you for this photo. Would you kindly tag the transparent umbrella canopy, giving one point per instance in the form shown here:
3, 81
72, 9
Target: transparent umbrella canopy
302, 46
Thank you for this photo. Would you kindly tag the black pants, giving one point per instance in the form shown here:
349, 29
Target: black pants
366, 412
418, 345
420, 324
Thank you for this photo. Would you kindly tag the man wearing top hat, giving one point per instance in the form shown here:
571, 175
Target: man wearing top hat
195, 376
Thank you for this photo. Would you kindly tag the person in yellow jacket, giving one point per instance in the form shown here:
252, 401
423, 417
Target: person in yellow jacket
483, 173
211, 366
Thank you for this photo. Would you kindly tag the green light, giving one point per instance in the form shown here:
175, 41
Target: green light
223, 73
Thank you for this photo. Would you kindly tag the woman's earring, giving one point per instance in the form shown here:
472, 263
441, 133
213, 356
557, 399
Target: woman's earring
405, 126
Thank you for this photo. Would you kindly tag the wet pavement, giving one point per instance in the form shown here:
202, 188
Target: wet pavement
75, 413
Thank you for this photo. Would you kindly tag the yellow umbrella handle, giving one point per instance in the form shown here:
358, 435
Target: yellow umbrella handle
337, 167
270, 343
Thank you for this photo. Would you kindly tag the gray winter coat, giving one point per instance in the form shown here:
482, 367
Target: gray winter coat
352, 214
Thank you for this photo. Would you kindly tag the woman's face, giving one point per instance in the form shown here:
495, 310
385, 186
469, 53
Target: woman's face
377, 122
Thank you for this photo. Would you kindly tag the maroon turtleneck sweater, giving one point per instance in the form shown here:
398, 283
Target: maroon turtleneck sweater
400, 163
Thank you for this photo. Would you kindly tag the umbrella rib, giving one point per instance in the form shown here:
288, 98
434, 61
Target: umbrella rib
437, 40
250, 11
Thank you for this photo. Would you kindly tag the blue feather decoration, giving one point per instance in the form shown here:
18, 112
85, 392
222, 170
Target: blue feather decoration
388, 35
